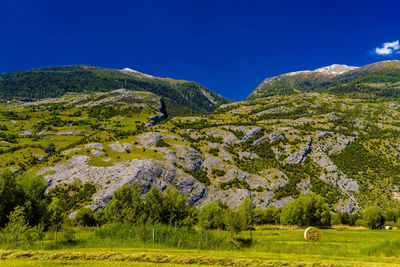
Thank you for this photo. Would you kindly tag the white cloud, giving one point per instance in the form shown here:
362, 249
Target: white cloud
387, 49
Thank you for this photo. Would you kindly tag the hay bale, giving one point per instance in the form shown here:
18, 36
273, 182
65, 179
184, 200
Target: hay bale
312, 234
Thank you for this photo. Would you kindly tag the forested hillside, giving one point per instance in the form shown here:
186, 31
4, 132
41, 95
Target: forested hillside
181, 97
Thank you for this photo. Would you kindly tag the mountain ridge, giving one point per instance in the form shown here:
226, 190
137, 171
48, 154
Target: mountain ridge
337, 79
181, 97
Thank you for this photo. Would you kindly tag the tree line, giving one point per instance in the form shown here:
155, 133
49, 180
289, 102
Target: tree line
26, 211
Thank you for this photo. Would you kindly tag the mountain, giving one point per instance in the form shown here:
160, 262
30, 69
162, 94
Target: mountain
273, 149
381, 79
180, 97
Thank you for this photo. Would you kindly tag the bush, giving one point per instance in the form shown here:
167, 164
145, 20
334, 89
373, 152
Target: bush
18, 229
85, 217
212, 216
307, 210
129, 206
68, 234
25, 190
373, 217
161, 143
200, 175
213, 151
340, 218
269, 215
218, 172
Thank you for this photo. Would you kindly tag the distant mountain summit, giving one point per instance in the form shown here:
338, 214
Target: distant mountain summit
335, 69
379, 79
135, 72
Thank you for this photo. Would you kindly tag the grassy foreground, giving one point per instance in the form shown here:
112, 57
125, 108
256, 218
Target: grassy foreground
271, 247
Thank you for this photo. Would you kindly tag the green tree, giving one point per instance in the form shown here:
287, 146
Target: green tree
85, 217
9, 195
154, 206
55, 216
307, 210
373, 217
340, 218
246, 212
269, 215
17, 228
234, 222
174, 204
33, 188
126, 204
212, 216
25, 190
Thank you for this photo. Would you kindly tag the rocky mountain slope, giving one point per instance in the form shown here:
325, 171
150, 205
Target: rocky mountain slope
180, 97
271, 148
381, 79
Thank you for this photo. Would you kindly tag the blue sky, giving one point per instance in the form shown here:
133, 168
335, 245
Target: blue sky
228, 46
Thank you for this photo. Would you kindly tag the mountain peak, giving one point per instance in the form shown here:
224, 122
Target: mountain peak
335, 69
128, 70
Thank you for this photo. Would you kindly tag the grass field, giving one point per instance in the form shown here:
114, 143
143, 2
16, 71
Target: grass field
271, 246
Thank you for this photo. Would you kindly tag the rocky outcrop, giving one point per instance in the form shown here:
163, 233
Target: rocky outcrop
145, 172
117, 146
299, 157
189, 158
270, 137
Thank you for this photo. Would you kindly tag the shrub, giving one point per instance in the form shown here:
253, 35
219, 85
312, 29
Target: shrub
235, 183
161, 143
269, 215
200, 175
85, 217
213, 151
212, 216
18, 229
126, 204
25, 190
340, 218
218, 172
307, 210
373, 217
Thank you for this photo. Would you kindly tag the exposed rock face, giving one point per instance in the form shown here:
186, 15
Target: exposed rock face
245, 154
117, 146
232, 197
349, 205
300, 156
96, 152
149, 139
228, 137
142, 171
97, 146
271, 137
304, 186
325, 145
189, 158
242, 153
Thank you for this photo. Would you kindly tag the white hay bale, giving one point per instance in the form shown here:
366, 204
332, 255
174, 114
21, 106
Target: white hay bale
312, 234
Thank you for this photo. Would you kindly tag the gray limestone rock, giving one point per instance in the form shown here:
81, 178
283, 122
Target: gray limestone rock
96, 152
97, 146
145, 172
189, 158
299, 157
149, 139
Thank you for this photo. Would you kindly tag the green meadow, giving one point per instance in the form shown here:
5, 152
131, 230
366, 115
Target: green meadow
123, 245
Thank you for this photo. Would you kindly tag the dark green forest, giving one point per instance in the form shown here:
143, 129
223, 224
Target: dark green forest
182, 97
